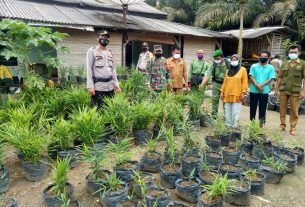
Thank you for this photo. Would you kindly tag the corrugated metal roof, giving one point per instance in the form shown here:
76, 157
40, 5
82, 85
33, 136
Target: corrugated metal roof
54, 14
256, 32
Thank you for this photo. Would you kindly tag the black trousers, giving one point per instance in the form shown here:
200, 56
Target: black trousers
261, 100
99, 98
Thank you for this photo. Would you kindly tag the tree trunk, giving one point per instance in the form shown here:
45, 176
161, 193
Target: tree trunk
241, 29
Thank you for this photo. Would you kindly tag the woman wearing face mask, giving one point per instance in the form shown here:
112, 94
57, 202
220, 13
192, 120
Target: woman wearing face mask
233, 89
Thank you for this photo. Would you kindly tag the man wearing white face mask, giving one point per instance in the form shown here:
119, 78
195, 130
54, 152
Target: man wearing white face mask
291, 77
178, 70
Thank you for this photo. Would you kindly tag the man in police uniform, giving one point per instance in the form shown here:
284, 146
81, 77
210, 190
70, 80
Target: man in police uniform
291, 77
101, 75
143, 58
157, 74
197, 69
216, 71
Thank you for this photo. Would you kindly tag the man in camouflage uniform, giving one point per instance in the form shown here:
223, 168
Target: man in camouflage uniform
197, 69
157, 75
216, 71
101, 75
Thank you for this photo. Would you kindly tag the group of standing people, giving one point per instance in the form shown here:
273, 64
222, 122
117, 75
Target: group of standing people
228, 78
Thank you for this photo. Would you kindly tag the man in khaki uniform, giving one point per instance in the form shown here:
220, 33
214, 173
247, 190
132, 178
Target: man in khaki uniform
144, 58
178, 70
291, 77
101, 75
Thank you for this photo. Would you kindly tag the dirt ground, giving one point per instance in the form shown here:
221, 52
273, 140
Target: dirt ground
289, 193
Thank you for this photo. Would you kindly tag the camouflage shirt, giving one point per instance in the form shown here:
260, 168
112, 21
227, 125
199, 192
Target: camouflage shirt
157, 75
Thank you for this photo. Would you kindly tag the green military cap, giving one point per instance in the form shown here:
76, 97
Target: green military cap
218, 53
158, 47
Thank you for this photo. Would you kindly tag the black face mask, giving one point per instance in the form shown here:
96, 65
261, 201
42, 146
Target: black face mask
158, 55
104, 42
263, 60
144, 49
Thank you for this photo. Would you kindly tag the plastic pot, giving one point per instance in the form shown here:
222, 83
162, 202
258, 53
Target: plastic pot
233, 171
258, 185
246, 147
261, 152
141, 136
242, 194
208, 177
225, 139
129, 203
69, 153
55, 200
169, 173
156, 131
213, 142
287, 157
235, 136
157, 197
125, 173
167, 157
177, 204
94, 186
189, 163
4, 179
10, 202
272, 176
136, 188
150, 162
111, 199
204, 201
35, 171
248, 162
188, 189
205, 120
299, 152
230, 155
213, 158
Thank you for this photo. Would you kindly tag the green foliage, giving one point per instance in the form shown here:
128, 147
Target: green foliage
187, 132
96, 158
121, 152
141, 180
118, 112
120, 70
254, 131
152, 145
220, 127
2, 155
59, 176
19, 39
62, 134
64, 199
75, 97
204, 165
34, 81
195, 100
112, 184
171, 147
219, 187
88, 125
251, 174
143, 115
278, 165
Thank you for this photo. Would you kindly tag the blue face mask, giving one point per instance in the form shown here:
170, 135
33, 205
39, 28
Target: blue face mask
293, 56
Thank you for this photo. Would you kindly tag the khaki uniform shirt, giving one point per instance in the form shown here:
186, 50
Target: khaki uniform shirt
178, 70
143, 60
292, 77
100, 65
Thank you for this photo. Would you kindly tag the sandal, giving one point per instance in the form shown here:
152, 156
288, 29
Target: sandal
293, 132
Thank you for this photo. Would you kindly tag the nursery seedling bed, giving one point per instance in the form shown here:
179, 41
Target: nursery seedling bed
171, 168
187, 183
191, 158
205, 197
208, 176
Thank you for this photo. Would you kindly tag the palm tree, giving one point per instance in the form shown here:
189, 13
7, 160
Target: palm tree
241, 27
224, 14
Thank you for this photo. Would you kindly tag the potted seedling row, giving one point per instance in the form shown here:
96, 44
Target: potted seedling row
63, 141
257, 181
113, 191
97, 159
52, 195
140, 182
188, 188
124, 166
143, 116
208, 173
151, 160
241, 193
4, 173
273, 170
156, 196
